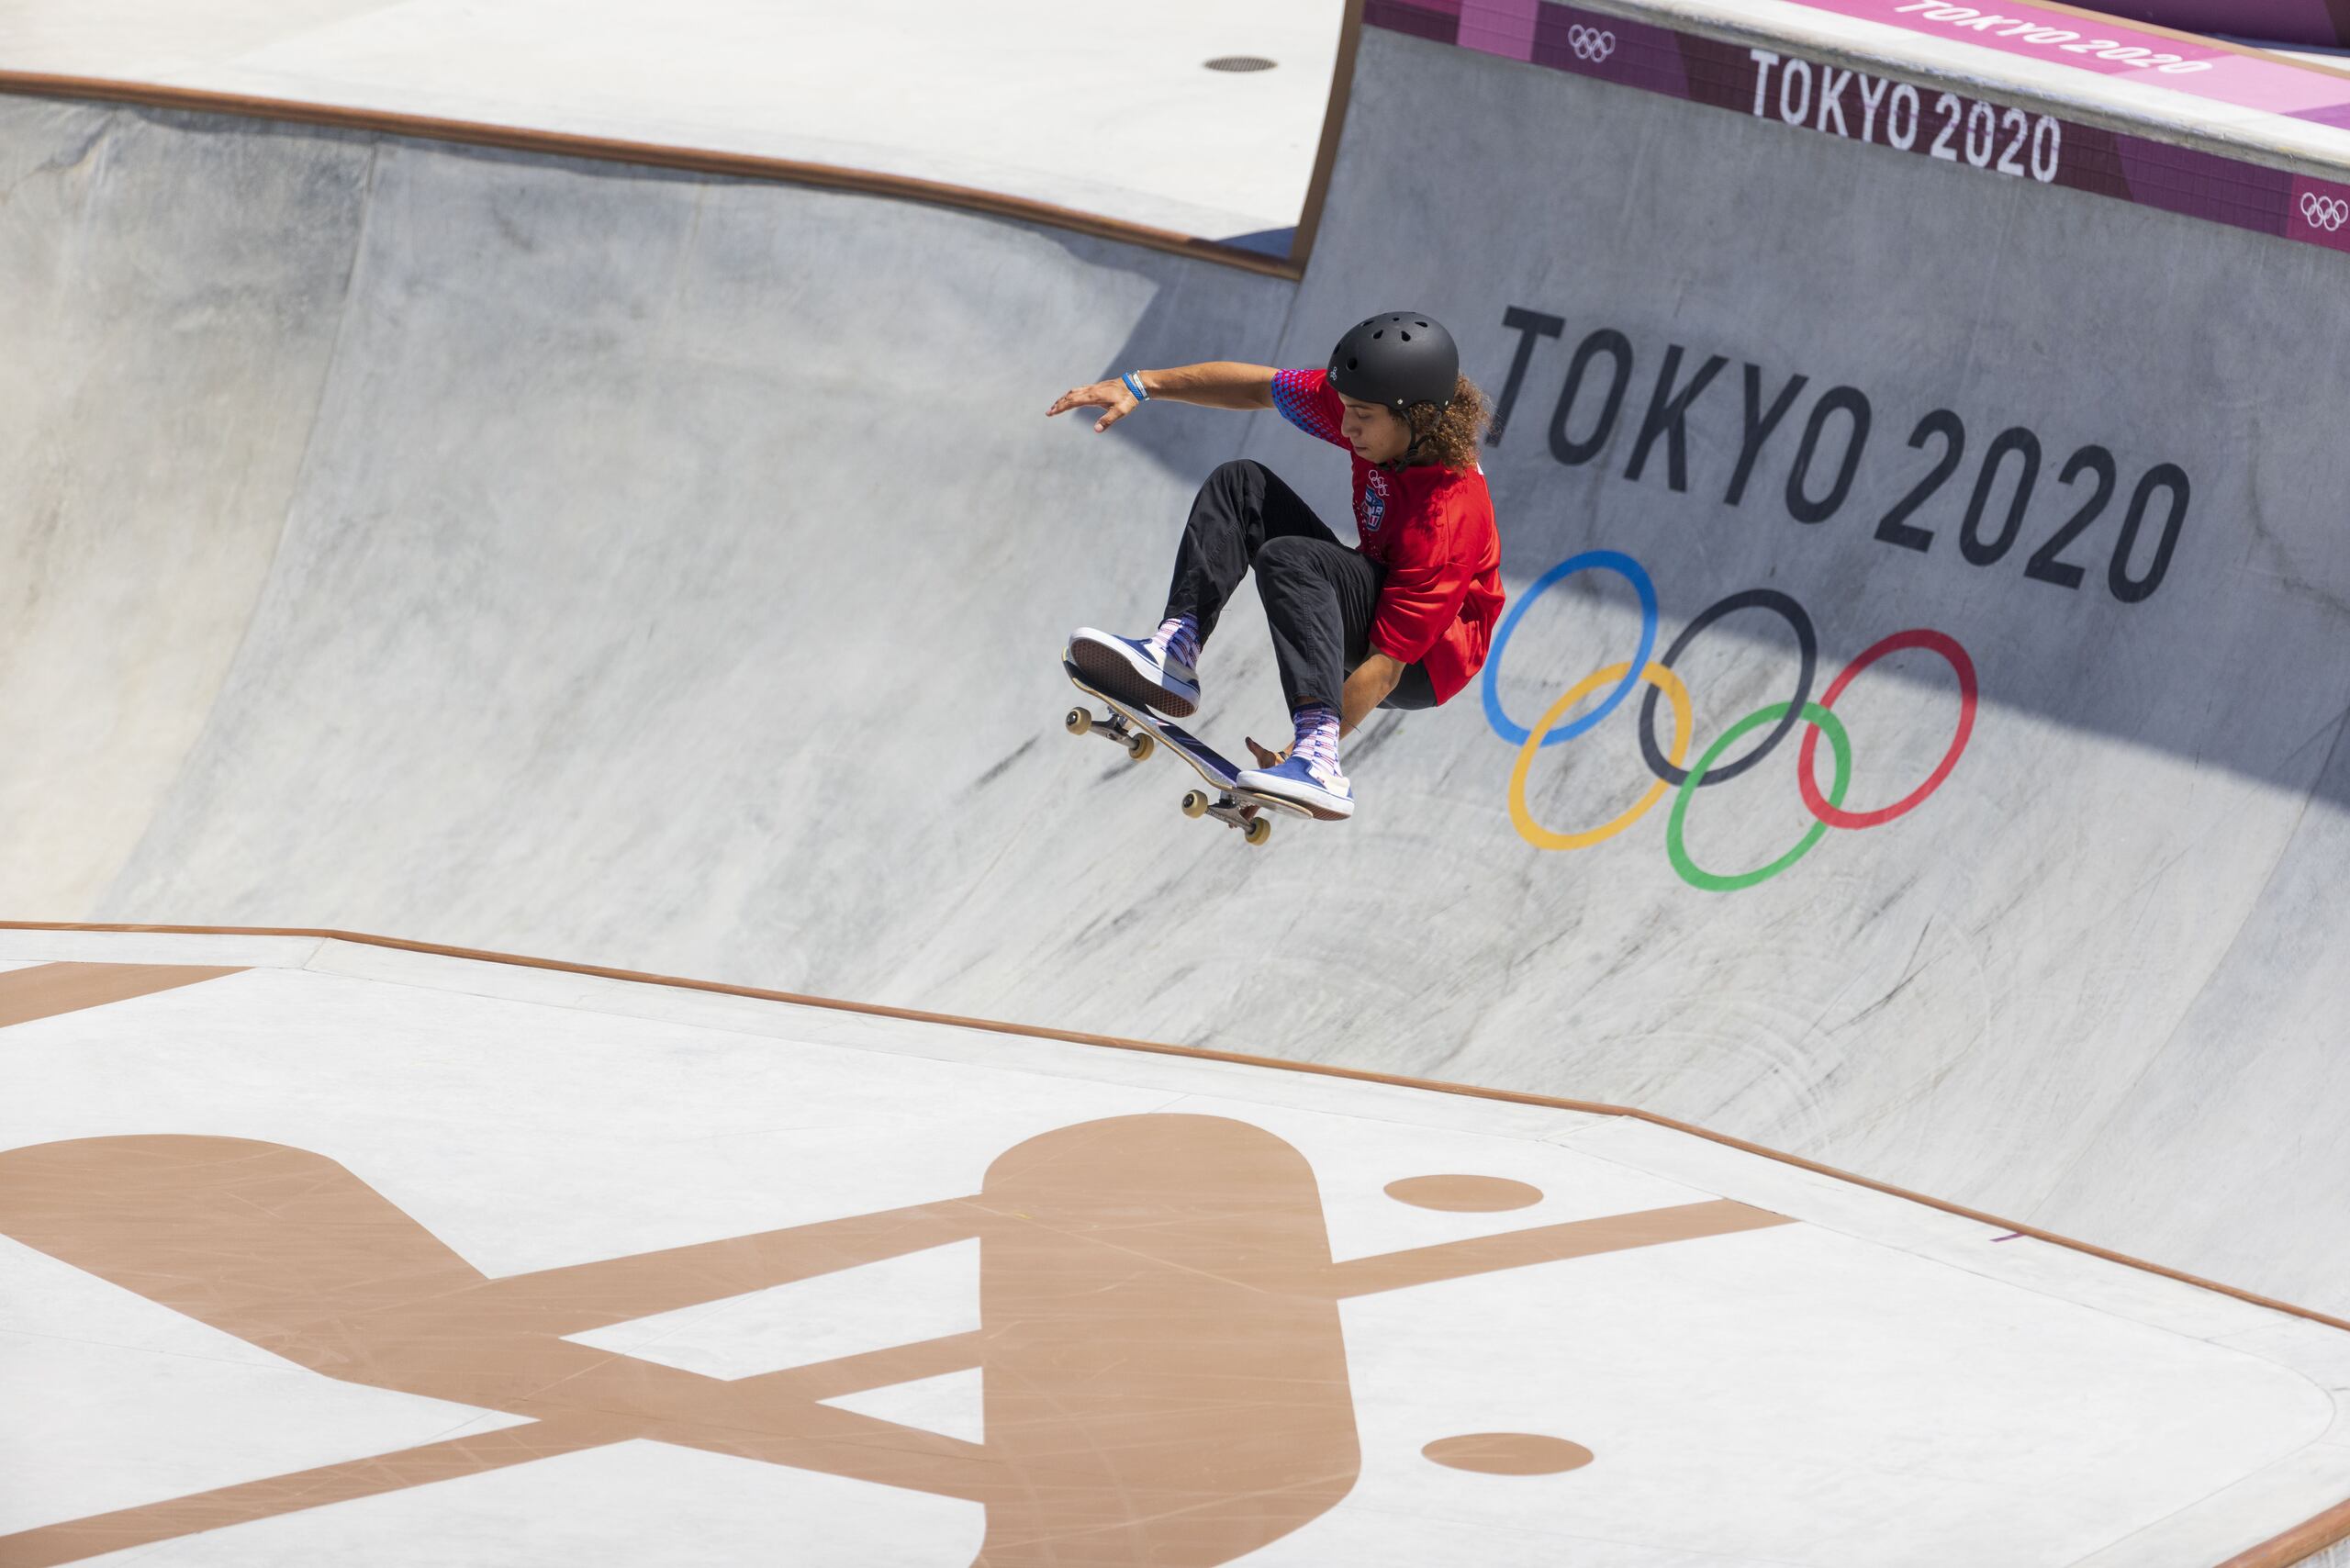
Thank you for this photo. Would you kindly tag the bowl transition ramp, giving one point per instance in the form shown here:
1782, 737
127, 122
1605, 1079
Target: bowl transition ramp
316, 1251
663, 570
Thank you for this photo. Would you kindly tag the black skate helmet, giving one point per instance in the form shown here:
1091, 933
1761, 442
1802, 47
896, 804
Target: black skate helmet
1397, 359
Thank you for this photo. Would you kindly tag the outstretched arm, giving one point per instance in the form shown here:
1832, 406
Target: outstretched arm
1218, 383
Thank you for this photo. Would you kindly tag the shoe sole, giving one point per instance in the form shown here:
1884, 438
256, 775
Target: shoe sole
1316, 808
1112, 673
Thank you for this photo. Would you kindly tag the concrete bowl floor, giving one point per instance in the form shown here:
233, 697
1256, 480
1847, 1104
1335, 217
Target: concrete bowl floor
318, 1251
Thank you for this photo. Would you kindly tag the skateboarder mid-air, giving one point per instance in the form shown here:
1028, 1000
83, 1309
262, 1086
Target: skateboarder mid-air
1402, 619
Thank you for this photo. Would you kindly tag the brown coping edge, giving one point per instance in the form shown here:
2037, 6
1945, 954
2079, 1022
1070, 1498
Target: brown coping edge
742, 166
1334, 119
2303, 1540
2310, 1536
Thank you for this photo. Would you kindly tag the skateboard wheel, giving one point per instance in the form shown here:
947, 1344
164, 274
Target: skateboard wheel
1078, 721
1139, 747
1195, 803
1259, 830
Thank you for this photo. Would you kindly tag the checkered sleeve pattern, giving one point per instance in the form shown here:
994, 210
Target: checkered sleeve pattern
1304, 397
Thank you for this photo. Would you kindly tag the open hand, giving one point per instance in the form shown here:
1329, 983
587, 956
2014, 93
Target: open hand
1110, 395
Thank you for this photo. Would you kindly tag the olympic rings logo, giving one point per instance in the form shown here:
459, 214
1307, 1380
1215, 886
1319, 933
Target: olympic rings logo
1594, 44
2329, 213
1666, 762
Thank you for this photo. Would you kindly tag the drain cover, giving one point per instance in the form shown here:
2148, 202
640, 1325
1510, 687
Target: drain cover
1240, 62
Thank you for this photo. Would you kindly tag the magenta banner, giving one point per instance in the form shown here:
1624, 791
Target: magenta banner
1977, 132
2321, 24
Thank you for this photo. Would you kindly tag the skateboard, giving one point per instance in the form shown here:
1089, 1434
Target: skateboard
1141, 732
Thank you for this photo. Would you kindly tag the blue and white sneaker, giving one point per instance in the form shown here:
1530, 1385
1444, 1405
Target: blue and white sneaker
1136, 672
1319, 791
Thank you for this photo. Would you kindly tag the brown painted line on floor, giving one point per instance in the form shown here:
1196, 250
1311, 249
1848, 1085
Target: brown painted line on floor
1550, 1244
46, 1546
867, 1370
619, 1290
47, 989
655, 155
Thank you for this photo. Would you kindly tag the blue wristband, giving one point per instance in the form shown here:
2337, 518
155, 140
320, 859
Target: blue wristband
1134, 385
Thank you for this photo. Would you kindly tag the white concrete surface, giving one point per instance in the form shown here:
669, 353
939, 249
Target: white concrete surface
1837, 1390
520, 553
1107, 111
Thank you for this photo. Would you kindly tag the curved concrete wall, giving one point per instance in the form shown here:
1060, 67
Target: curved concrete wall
2087, 977
666, 572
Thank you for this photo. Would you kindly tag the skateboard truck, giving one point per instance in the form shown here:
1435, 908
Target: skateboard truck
1139, 741
1229, 812
1111, 727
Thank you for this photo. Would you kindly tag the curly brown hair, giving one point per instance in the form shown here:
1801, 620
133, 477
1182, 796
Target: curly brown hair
1450, 439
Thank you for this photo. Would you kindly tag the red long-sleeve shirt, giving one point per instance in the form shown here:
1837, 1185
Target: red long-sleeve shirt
1433, 529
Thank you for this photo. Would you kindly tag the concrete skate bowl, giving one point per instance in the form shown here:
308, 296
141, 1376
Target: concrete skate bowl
664, 571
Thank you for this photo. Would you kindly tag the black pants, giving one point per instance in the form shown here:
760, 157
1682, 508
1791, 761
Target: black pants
1319, 596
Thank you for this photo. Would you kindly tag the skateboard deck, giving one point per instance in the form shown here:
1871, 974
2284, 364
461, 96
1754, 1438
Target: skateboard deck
1141, 732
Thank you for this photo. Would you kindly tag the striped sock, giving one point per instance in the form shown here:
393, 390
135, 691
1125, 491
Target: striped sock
1178, 637
1317, 739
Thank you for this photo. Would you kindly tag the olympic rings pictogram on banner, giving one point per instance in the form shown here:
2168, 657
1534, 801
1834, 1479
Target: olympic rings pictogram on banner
2329, 213
1594, 44
1618, 680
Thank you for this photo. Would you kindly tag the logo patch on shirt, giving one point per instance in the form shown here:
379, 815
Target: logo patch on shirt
1373, 509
